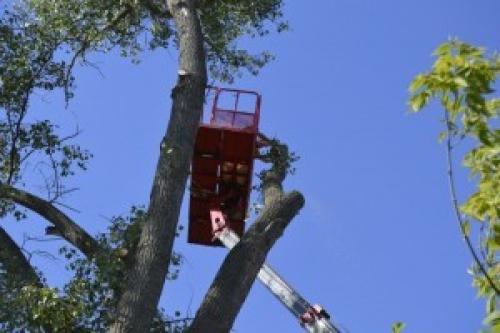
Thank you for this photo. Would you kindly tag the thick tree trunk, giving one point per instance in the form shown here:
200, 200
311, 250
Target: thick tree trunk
146, 277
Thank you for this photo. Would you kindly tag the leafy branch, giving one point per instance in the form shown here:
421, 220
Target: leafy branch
464, 225
462, 79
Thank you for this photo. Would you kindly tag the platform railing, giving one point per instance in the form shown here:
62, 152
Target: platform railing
234, 117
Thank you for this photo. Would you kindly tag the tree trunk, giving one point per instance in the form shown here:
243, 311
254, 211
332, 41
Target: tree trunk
146, 277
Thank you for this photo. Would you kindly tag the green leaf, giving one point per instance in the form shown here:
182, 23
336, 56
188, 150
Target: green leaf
465, 228
398, 327
495, 328
491, 304
459, 81
417, 83
492, 319
442, 49
442, 136
418, 101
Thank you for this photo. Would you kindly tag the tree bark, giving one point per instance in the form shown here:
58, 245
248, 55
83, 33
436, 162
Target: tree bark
146, 277
12, 259
65, 226
272, 188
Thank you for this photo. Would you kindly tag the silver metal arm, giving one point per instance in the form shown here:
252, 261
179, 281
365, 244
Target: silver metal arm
312, 318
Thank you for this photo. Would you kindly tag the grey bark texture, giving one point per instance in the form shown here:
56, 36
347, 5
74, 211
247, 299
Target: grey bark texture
145, 279
237, 274
14, 262
65, 226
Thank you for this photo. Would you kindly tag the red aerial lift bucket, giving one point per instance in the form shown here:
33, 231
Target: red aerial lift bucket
222, 165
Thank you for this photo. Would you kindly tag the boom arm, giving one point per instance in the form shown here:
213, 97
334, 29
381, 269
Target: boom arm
313, 318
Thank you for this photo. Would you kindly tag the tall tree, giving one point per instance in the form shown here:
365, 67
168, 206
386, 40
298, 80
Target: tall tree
206, 34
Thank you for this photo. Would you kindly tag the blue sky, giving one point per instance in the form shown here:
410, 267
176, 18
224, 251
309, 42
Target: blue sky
376, 241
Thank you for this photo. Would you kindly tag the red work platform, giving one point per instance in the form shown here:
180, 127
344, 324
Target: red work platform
222, 166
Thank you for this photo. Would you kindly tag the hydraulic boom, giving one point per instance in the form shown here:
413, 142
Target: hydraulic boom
313, 318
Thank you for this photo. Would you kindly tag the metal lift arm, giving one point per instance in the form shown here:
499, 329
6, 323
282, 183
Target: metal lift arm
312, 318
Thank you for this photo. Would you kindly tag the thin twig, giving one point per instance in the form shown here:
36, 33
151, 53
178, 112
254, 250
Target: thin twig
173, 321
41, 240
56, 182
453, 194
41, 253
93, 65
67, 207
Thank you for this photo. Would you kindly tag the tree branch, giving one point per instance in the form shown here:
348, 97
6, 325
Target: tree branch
65, 226
271, 180
12, 259
456, 208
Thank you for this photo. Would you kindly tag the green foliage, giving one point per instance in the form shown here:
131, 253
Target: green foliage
26, 60
87, 301
462, 79
39, 138
280, 156
39, 309
224, 22
133, 26
28, 64
97, 282
398, 327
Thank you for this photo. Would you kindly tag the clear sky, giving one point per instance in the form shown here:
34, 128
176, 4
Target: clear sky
376, 241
